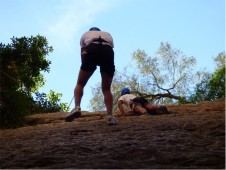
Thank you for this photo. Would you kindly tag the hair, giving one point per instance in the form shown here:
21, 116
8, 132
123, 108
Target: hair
94, 29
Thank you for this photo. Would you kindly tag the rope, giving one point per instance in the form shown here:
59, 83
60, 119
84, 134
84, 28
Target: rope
71, 101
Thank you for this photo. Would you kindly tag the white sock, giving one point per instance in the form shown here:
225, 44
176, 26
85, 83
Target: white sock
78, 107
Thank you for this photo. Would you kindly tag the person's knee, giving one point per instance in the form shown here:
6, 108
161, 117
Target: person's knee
106, 88
106, 92
81, 83
79, 87
139, 109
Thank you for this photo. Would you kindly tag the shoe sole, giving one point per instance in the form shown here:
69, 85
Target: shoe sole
73, 116
110, 124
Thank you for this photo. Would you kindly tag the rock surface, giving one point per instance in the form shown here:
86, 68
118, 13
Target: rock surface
192, 136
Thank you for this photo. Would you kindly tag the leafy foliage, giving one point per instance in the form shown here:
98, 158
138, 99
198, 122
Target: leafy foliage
22, 63
212, 86
165, 75
48, 103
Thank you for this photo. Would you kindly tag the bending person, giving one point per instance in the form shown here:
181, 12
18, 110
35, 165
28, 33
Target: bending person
96, 50
138, 104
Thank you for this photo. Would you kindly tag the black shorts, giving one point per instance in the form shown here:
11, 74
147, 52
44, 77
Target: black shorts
99, 55
140, 100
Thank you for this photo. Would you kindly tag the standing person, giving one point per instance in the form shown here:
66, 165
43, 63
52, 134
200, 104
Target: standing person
138, 104
96, 50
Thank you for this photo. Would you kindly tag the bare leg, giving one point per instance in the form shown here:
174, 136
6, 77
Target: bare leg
83, 78
106, 89
150, 107
139, 109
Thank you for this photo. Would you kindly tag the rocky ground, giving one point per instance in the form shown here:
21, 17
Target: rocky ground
191, 137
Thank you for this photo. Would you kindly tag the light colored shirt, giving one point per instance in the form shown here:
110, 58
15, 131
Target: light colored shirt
127, 99
88, 37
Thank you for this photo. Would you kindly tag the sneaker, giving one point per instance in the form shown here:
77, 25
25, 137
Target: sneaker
75, 113
111, 120
164, 109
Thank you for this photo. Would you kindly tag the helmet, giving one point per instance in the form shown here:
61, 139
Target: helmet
94, 29
125, 91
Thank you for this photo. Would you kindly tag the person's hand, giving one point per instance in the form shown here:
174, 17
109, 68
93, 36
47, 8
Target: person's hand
84, 52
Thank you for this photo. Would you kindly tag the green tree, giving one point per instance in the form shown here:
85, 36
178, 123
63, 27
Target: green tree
166, 75
47, 103
163, 79
212, 86
22, 63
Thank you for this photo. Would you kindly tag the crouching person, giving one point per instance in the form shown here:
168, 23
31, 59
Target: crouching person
139, 105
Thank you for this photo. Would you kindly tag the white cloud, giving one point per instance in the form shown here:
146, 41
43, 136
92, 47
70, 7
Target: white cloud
72, 15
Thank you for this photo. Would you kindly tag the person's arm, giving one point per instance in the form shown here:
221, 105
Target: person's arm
120, 103
83, 51
83, 45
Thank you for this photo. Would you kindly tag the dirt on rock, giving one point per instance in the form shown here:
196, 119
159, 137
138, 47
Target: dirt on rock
191, 137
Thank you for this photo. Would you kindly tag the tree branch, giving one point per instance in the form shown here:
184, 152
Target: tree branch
159, 96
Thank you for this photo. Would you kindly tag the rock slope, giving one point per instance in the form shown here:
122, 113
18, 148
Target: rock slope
192, 136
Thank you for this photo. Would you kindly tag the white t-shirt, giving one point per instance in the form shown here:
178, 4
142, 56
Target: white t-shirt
88, 37
126, 98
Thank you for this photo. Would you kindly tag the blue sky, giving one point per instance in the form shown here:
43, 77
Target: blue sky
196, 27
